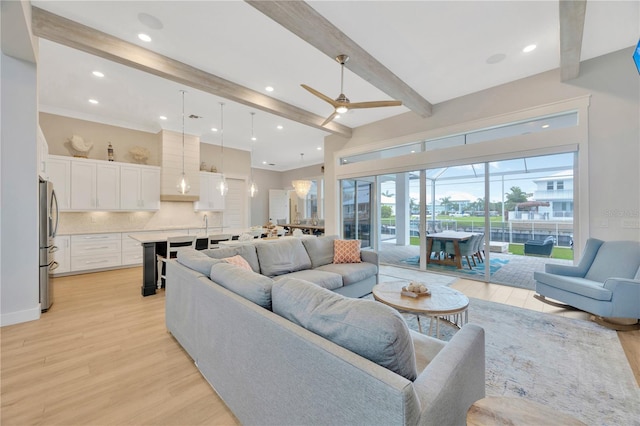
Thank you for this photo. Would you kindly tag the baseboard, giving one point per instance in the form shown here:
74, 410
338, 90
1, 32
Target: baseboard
20, 316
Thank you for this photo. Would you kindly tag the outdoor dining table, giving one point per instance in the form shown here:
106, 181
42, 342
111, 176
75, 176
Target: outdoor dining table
453, 236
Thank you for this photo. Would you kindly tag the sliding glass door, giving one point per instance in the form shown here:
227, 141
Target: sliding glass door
356, 210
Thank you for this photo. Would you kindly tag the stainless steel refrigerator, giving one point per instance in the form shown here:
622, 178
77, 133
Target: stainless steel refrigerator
48, 217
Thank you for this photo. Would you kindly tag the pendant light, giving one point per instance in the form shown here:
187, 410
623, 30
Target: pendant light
183, 185
302, 187
222, 186
253, 188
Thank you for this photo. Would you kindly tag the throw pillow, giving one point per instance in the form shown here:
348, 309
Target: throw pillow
238, 261
193, 259
346, 251
366, 327
245, 283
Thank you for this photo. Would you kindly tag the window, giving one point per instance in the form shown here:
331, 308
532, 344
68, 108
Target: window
560, 184
550, 185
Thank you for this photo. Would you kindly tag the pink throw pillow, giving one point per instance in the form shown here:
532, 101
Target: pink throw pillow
346, 251
238, 261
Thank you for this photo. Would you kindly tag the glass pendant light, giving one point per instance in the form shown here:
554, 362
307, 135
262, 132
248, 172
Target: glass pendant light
183, 185
253, 188
223, 188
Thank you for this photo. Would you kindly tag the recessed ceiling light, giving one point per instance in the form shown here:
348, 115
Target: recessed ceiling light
213, 129
494, 59
279, 127
98, 74
162, 117
269, 89
413, 151
93, 101
264, 162
253, 138
144, 37
529, 48
337, 116
545, 126
150, 21
319, 148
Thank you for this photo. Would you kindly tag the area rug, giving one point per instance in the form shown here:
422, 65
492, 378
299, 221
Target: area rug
573, 366
478, 270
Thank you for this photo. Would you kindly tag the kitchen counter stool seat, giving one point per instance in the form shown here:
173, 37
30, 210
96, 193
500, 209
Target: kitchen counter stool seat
174, 245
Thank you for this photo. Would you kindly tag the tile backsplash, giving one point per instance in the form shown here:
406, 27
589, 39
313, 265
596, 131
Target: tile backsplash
170, 215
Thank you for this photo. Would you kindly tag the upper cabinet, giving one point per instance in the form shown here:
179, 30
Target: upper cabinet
95, 185
86, 185
139, 187
43, 154
210, 197
59, 171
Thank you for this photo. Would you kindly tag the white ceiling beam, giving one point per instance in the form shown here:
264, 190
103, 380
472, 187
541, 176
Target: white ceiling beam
72, 34
305, 22
571, 29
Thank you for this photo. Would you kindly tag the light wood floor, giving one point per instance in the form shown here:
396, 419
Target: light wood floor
102, 355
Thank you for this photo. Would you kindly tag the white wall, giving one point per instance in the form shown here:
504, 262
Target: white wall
613, 85
19, 287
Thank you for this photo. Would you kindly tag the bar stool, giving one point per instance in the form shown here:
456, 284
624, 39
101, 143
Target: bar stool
216, 238
174, 245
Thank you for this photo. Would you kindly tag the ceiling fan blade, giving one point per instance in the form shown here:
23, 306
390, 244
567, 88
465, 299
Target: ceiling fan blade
318, 94
373, 104
331, 117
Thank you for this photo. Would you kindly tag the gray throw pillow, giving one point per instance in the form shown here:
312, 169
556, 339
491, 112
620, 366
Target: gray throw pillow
198, 261
247, 251
366, 327
320, 249
245, 283
282, 256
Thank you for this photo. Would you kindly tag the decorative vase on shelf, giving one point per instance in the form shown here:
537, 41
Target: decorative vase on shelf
314, 219
110, 152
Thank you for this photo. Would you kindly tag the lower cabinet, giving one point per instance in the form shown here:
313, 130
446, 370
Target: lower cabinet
131, 251
63, 254
95, 251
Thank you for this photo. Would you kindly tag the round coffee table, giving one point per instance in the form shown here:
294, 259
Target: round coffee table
443, 303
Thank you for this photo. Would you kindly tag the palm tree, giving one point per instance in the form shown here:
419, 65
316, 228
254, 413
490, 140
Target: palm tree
514, 197
445, 202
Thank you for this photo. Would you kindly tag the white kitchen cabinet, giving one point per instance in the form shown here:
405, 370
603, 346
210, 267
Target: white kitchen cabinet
94, 185
63, 254
131, 251
59, 171
210, 197
95, 251
139, 187
43, 155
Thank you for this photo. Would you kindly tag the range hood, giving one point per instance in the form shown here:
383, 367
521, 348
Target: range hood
171, 163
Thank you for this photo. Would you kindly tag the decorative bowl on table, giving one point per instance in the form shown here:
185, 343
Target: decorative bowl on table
415, 289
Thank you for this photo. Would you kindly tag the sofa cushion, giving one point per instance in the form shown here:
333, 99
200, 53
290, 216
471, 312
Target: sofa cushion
196, 260
324, 279
320, 249
368, 328
247, 251
577, 285
238, 261
619, 259
346, 251
282, 257
243, 282
351, 272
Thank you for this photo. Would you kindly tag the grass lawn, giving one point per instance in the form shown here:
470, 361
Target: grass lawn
518, 249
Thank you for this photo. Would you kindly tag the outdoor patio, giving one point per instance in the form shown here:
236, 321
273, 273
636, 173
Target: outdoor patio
508, 269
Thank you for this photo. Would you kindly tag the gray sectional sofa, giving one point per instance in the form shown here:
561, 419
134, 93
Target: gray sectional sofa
286, 351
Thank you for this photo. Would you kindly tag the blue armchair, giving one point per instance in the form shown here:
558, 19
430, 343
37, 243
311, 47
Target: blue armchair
539, 247
606, 282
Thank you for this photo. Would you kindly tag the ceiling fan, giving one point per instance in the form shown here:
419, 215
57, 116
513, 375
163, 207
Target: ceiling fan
342, 104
